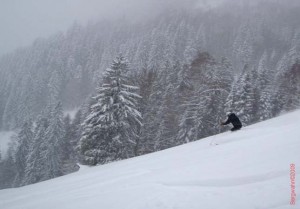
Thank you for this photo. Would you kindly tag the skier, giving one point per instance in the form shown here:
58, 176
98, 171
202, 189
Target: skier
234, 120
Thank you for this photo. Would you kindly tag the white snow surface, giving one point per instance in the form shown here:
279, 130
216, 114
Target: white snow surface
4, 140
249, 169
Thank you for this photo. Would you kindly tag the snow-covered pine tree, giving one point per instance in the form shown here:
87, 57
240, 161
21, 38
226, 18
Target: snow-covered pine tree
278, 100
76, 131
186, 124
243, 46
230, 85
9, 118
8, 166
245, 103
152, 113
263, 83
66, 145
165, 137
68, 151
167, 116
183, 79
34, 171
54, 87
220, 87
110, 130
54, 137
184, 92
190, 51
290, 87
190, 121
24, 141
147, 82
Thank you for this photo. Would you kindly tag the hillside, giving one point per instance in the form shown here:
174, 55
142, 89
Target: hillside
248, 169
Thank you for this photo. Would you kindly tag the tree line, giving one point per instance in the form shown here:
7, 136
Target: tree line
134, 113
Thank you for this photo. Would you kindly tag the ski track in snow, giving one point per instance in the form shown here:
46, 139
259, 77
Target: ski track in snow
229, 182
249, 169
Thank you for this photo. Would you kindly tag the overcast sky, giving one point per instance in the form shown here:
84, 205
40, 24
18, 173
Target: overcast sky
22, 21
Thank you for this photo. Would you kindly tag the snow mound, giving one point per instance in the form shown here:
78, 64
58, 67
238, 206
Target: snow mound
248, 169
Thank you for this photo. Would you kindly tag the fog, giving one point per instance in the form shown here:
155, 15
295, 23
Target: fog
23, 21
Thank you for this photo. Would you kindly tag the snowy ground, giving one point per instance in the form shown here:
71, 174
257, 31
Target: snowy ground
4, 140
249, 169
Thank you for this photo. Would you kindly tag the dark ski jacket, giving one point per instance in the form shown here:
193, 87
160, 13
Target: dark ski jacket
232, 118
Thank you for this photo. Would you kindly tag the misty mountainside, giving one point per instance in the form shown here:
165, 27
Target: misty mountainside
248, 169
141, 86
264, 37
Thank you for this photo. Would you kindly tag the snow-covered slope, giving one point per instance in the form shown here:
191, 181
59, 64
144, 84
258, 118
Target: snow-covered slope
249, 169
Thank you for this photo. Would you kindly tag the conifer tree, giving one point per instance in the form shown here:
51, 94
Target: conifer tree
147, 81
167, 119
24, 141
34, 171
76, 131
68, 146
186, 124
110, 130
54, 137
245, 102
8, 167
263, 82
290, 87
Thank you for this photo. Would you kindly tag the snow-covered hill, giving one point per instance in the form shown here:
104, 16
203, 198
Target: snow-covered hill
249, 169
